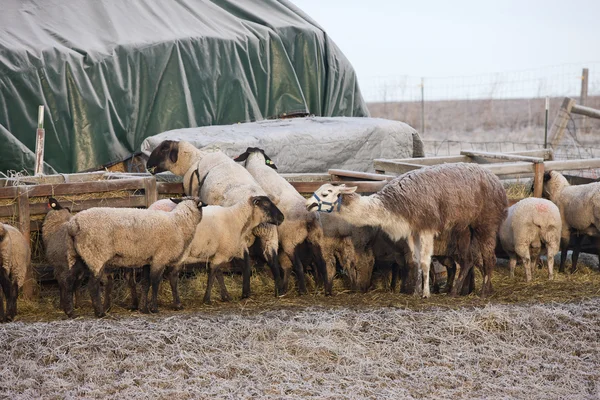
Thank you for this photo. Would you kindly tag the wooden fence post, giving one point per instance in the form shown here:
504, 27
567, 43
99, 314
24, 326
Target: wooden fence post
538, 179
150, 190
24, 221
584, 94
560, 121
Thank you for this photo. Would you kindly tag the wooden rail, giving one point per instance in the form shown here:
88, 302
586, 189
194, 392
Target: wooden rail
563, 116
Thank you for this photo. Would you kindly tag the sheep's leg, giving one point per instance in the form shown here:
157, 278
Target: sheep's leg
317, 252
395, 273
108, 286
246, 276
464, 265
564, 249
209, 284
130, 274
299, 271
145, 289
286, 267
224, 293
4, 292
409, 284
95, 295
550, 253
576, 251
156, 275
512, 263
173, 276
273, 263
66, 299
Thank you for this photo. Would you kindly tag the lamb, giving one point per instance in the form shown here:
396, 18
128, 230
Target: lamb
579, 207
531, 223
463, 198
15, 261
300, 225
129, 237
218, 180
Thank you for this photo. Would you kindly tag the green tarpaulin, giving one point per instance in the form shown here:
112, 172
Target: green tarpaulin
112, 72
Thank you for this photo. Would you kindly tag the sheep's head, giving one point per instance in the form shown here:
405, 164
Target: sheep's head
554, 182
328, 197
265, 210
163, 157
256, 152
196, 200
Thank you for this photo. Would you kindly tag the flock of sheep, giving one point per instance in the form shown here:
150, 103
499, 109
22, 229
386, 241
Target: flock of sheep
242, 209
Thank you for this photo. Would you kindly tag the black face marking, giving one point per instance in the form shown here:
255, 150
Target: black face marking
167, 150
250, 150
547, 176
275, 216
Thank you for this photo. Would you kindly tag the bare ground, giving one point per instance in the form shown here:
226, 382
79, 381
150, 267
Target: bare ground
351, 345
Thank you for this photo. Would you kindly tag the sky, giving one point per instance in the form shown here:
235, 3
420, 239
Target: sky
436, 38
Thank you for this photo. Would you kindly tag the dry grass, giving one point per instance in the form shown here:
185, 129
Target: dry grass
350, 350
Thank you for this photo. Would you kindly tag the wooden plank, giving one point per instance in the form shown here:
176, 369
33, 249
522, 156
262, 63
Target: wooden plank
53, 179
564, 165
343, 174
86, 187
394, 167
587, 111
538, 180
150, 191
510, 168
9, 192
306, 177
501, 156
169, 187
362, 187
559, 125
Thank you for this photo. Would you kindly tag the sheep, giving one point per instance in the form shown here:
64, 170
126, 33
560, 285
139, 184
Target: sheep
220, 236
57, 251
218, 180
417, 206
300, 225
129, 237
15, 261
579, 207
531, 223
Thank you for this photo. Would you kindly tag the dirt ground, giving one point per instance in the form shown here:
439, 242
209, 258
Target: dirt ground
536, 340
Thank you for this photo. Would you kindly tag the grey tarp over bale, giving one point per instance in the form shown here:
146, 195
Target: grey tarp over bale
111, 73
312, 144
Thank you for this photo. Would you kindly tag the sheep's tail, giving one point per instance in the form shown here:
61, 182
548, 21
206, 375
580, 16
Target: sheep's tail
73, 229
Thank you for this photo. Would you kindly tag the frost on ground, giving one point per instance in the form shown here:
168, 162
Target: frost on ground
499, 351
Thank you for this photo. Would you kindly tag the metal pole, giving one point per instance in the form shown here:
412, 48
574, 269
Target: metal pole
39, 143
422, 106
546, 123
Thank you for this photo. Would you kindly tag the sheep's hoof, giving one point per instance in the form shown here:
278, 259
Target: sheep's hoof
207, 301
426, 296
144, 310
226, 299
154, 310
177, 307
100, 315
71, 315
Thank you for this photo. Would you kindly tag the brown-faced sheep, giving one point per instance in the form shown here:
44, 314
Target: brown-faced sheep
218, 180
417, 206
579, 207
531, 223
15, 261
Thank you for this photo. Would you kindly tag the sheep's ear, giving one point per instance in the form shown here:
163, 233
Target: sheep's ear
174, 152
242, 157
275, 199
54, 204
547, 176
347, 189
176, 200
269, 162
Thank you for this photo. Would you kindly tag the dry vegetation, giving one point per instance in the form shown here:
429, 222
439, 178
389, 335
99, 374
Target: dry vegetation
374, 345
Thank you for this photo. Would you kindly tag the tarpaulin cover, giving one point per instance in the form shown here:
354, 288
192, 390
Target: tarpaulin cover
313, 144
112, 72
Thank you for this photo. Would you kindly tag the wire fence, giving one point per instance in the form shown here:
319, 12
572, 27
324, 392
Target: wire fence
553, 81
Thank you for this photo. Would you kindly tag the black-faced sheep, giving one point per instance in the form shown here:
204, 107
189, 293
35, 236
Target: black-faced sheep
579, 207
299, 226
218, 180
417, 206
531, 223
15, 261
128, 237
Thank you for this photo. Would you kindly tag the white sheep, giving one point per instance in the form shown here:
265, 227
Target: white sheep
531, 223
417, 206
129, 237
15, 261
218, 180
579, 207
299, 226
219, 237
